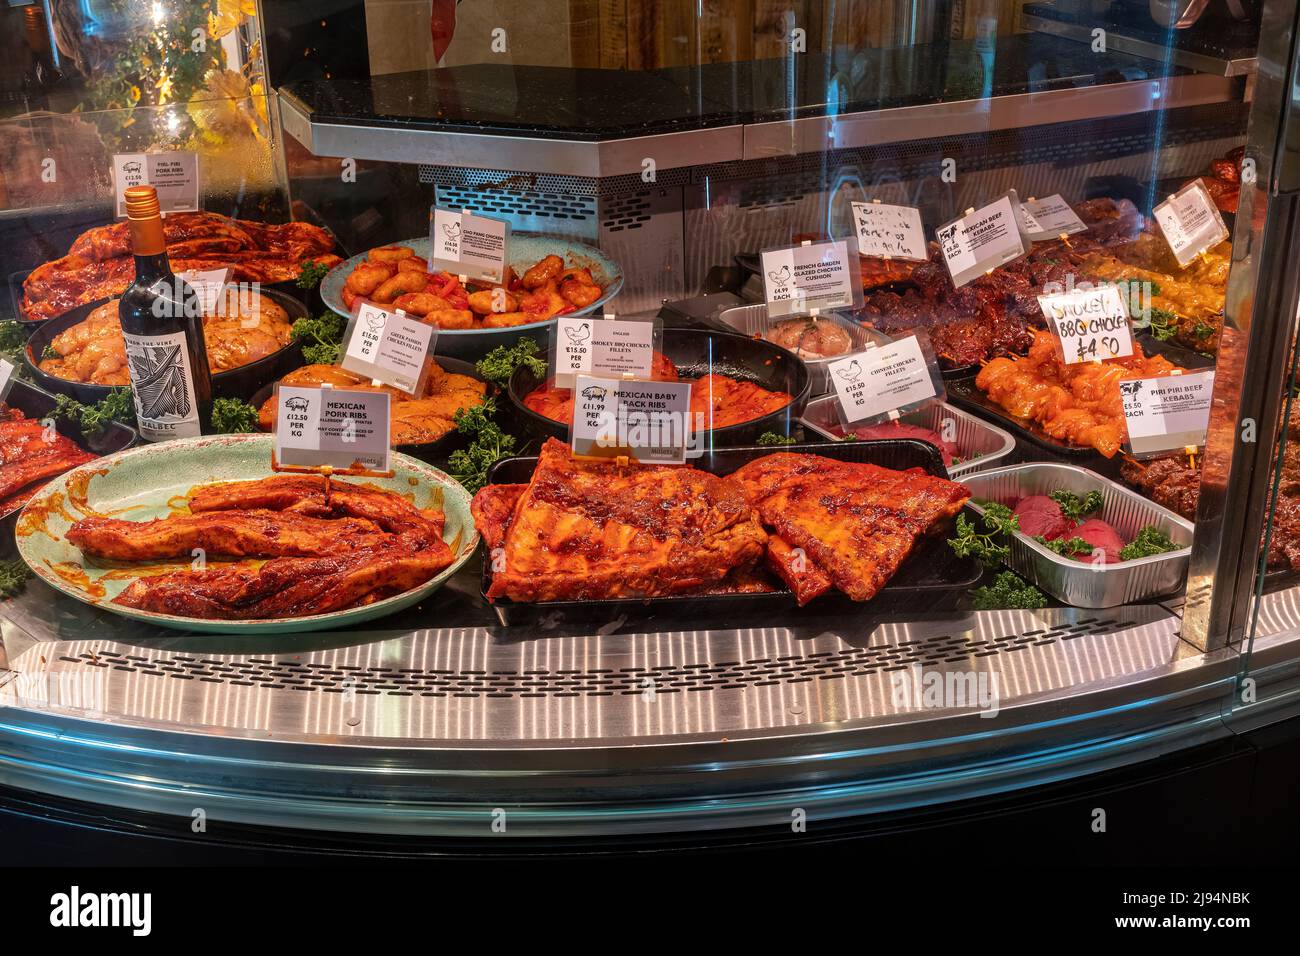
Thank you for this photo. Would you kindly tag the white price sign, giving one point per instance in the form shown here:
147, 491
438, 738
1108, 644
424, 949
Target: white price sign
818, 275
981, 240
648, 422
331, 428
388, 347
882, 379
468, 245
1090, 324
6, 377
1190, 222
587, 345
174, 174
890, 232
1049, 218
1168, 412
207, 284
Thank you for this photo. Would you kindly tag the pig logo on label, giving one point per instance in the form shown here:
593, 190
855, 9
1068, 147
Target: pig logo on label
594, 392
851, 374
580, 334
131, 169
1130, 388
297, 404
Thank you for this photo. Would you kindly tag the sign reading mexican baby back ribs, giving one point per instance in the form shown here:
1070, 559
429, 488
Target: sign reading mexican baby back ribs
317, 428
1168, 412
981, 240
174, 174
818, 275
465, 244
648, 422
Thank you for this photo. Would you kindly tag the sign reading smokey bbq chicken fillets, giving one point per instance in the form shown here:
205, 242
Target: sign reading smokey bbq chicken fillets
336, 428
589, 345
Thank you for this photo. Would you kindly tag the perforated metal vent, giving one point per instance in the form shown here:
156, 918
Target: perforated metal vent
627, 212
333, 678
523, 204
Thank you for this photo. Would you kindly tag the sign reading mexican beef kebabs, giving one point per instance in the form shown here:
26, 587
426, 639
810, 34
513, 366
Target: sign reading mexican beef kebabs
344, 431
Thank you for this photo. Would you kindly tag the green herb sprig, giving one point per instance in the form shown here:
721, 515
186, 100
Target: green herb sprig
499, 364
311, 274
1075, 508
1150, 540
119, 407
321, 338
13, 577
233, 416
1008, 591
772, 438
470, 466
999, 521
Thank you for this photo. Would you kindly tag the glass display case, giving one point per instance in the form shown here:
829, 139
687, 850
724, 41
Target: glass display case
971, 325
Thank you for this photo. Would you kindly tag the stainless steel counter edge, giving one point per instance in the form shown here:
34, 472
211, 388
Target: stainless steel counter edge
721, 144
686, 783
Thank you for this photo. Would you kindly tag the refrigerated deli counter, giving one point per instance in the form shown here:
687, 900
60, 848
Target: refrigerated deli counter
1001, 584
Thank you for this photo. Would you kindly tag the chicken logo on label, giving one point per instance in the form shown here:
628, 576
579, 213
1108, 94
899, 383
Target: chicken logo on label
579, 335
851, 374
780, 276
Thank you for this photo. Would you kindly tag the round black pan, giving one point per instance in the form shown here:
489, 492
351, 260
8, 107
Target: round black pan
426, 451
236, 383
698, 352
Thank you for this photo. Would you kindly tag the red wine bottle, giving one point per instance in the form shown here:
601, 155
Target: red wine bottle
162, 324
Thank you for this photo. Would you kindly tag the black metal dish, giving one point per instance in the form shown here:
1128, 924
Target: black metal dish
698, 352
235, 383
1180, 355
426, 451
36, 403
932, 570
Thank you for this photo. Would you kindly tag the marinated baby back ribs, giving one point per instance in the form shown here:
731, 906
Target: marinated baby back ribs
593, 530
288, 587
237, 534
852, 523
30, 453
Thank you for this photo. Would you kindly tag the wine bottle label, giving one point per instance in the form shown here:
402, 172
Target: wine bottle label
162, 382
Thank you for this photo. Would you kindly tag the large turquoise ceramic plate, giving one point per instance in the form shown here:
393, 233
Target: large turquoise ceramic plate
138, 484
525, 251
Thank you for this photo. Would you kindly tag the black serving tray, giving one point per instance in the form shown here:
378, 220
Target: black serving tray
697, 352
37, 403
929, 572
1180, 355
965, 395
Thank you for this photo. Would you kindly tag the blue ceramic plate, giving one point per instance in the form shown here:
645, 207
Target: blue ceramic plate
525, 252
